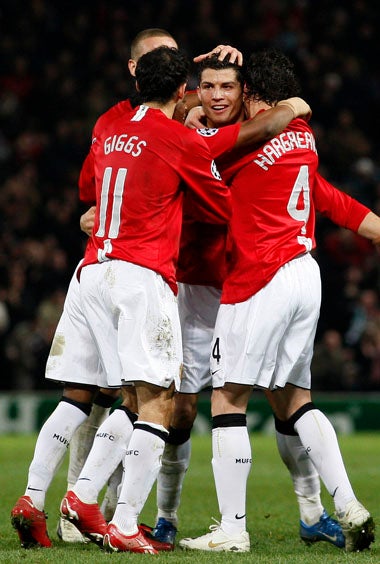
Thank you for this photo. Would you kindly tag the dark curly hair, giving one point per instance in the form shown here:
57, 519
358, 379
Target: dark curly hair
212, 62
160, 73
270, 77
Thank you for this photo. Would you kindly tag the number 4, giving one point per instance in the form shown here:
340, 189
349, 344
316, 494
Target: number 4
301, 187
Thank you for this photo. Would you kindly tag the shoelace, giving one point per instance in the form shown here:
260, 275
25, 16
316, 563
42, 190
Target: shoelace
214, 526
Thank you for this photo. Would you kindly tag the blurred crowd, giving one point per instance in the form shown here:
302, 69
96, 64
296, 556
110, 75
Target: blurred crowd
63, 63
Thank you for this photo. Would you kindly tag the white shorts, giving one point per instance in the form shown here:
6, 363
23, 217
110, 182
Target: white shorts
133, 316
268, 340
198, 307
73, 356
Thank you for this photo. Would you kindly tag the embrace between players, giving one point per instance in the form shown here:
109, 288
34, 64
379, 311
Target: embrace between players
248, 300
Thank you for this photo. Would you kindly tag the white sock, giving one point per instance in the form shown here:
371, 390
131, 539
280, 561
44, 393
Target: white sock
175, 462
108, 449
142, 464
82, 440
321, 444
231, 463
305, 478
51, 447
110, 498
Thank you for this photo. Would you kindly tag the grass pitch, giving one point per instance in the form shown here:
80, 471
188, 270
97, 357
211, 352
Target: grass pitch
272, 510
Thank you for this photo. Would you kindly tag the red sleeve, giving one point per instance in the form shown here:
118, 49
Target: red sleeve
87, 174
211, 197
87, 193
221, 140
338, 206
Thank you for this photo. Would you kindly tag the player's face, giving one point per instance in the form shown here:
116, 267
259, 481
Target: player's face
221, 97
147, 45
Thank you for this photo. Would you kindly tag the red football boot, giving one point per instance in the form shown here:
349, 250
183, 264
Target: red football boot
116, 541
87, 517
30, 524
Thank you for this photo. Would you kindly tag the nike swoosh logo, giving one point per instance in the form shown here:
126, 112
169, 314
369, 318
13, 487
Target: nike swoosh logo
333, 539
215, 371
215, 544
239, 516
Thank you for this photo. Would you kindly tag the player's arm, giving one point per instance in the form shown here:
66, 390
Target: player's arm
370, 228
340, 208
86, 181
211, 198
269, 123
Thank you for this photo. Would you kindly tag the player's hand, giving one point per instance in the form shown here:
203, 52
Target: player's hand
236, 56
194, 118
299, 107
87, 221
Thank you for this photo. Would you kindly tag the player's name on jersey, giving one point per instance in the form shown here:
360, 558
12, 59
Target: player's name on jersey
282, 144
131, 145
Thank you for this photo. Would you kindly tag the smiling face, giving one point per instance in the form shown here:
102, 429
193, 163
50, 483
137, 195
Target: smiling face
221, 96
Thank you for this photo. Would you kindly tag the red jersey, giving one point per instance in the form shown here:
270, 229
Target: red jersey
87, 174
275, 191
202, 256
141, 161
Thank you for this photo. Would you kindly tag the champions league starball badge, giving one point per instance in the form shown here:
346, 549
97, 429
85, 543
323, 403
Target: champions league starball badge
207, 131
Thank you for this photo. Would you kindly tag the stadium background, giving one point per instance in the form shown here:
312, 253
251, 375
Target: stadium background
64, 63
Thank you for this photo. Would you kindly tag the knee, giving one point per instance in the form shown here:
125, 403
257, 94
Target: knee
184, 411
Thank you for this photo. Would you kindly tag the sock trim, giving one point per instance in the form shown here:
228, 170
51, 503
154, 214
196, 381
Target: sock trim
178, 436
145, 427
301, 411
229, 420
284, 427
131, 416
85, 407
104, 400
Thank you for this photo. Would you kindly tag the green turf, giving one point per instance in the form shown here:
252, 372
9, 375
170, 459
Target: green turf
271, 507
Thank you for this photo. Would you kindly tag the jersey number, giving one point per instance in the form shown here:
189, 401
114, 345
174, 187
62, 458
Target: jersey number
301, 187
117, 199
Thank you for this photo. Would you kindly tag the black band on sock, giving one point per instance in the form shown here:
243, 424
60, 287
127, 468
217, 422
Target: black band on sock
229, 420
85, 407
131, 416
145, 427
104, 400
284, 427
178, 436
301, 411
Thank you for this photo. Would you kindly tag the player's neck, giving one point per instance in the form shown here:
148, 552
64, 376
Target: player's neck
167, 109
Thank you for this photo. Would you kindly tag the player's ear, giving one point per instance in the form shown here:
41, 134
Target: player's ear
181, 91
132, 66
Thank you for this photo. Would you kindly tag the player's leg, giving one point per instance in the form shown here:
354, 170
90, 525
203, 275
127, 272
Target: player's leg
145, 307
294, 406
321, 444
51, 447
175, 462
315, 523
231, 464
244, 354
108, 505
80, 447
142, 464
80, 503
198, 307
